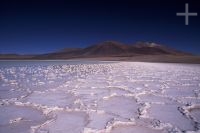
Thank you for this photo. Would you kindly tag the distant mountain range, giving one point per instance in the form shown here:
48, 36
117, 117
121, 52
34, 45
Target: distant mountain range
112, 50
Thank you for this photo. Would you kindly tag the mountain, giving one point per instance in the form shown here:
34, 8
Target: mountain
154, 49
108, 48
112, 50
15, 56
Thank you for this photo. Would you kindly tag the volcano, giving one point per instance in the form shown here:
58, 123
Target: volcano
117, 51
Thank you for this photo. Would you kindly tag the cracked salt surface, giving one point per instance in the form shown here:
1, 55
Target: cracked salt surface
99, 97
15, 119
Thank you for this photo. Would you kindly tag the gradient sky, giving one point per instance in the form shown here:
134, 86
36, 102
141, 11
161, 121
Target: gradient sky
42, 26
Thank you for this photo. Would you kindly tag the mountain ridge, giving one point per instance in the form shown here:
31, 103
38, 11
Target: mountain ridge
112, 50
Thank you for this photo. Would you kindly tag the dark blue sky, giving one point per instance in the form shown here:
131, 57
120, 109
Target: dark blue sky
41, 26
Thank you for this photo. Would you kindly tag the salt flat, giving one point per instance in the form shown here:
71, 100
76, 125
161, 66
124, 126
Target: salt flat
99, 97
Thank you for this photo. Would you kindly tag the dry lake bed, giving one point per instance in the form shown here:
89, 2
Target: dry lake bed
99, 97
